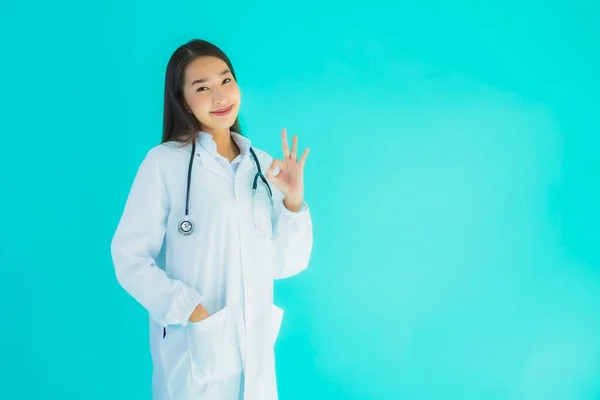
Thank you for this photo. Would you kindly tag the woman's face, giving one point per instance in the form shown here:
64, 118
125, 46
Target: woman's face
209, 86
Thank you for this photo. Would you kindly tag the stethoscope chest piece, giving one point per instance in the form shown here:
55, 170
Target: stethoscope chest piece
186, 227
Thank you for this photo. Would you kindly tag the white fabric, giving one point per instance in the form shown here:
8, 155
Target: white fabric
226, 265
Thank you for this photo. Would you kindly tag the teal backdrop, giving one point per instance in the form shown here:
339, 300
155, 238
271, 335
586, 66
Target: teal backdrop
453, 180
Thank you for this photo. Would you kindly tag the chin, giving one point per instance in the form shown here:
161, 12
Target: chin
217, 126
223, 123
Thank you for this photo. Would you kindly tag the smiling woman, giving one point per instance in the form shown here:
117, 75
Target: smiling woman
203, 96
211, 100
213, 324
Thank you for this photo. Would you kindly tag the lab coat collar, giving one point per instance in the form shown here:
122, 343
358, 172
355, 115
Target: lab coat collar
207, 142
243, 143
206, 150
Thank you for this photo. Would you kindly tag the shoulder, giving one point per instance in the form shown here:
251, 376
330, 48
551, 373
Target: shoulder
158, 159
165, 152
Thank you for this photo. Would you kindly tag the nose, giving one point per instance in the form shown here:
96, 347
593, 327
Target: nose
218, 96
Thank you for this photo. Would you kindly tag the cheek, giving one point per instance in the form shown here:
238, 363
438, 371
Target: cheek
199, 103
234, 92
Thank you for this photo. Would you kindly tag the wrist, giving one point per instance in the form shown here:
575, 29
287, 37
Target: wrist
292, 205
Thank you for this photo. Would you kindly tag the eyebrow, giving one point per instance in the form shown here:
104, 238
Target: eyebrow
206, 79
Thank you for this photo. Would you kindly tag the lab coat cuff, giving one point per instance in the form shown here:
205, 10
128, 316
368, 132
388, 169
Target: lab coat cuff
286, 213
189, 302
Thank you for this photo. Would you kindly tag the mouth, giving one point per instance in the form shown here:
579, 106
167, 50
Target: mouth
223, 111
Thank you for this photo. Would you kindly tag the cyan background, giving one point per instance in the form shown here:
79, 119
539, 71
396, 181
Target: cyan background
453, 180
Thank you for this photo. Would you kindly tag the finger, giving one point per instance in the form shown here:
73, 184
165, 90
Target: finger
304, 156
284, 144
294, 147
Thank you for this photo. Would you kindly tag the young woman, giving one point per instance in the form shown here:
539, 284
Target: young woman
209, 223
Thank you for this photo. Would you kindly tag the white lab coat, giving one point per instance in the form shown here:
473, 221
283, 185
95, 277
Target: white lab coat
226, 265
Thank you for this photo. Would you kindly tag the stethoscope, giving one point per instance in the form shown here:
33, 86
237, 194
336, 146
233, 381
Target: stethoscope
186, 227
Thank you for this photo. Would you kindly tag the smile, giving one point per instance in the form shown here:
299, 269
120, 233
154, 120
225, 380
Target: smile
224, 111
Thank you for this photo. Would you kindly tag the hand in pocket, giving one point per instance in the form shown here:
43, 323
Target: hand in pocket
198, 314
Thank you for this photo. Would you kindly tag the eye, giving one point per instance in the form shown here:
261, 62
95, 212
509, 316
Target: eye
204, 88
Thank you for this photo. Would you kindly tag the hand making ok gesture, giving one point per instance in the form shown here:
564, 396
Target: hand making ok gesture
290, 179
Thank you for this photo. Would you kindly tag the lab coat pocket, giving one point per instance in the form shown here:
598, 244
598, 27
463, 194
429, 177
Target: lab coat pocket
214, 348
263, 213
276, 318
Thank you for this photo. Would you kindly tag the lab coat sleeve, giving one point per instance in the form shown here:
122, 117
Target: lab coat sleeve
137, 242
293, 238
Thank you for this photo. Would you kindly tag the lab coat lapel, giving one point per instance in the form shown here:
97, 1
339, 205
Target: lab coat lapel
243, 177
210, 163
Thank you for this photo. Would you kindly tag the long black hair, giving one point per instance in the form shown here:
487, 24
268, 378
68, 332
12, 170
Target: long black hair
178, 124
